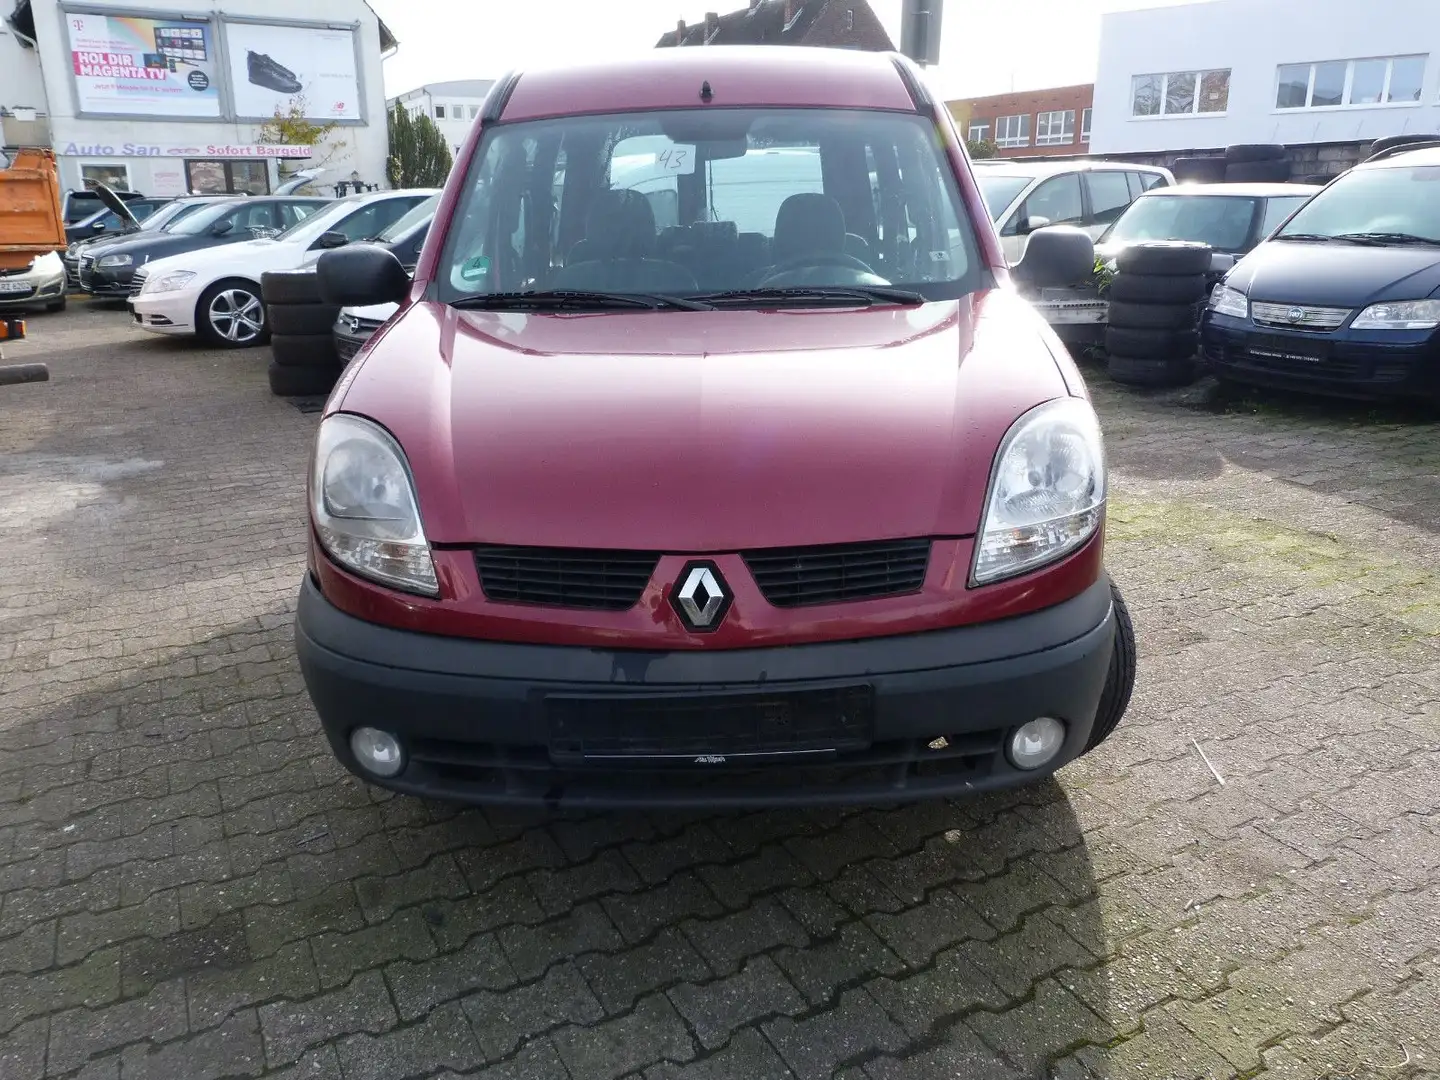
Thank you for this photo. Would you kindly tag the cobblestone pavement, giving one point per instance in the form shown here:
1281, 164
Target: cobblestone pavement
190, 887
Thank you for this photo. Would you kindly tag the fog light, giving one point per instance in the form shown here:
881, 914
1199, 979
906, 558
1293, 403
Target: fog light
377, 751
1036, 743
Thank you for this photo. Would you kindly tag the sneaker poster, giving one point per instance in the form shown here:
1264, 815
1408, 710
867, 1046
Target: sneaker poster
270, 66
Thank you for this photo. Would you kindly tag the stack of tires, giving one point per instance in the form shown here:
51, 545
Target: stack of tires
1157, 295
302, 344
1243, 163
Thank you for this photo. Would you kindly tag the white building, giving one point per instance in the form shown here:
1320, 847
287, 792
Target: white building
169, 96
454, 106
1208, 75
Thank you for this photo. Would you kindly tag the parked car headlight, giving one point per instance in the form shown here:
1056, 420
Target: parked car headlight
1399, 315
168, 282
116, 260
1047, 491
362, 502
1227, 301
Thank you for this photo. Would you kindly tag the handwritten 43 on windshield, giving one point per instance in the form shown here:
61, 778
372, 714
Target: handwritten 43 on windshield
677, 159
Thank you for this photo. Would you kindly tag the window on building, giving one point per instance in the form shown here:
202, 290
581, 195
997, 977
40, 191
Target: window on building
1055, 128
1085, 125
1180, 93
111, 174
227, 177
979, 132
850, 19
1012, 130
474, 111
439, 112
1329, 84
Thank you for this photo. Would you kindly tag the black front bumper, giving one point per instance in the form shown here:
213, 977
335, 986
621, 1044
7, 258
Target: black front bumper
1342, 364
879, 720
107, 282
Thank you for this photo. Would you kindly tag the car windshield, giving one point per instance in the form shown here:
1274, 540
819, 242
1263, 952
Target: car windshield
173, 213
1401, 200
195, 223
420, 213
1222, 221
693, 202
310, 229
1000, 191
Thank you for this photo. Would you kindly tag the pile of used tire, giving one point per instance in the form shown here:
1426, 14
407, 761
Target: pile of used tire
1152, 335
1243, 163
302, 343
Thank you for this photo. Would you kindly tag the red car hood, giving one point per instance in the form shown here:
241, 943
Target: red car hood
704, 431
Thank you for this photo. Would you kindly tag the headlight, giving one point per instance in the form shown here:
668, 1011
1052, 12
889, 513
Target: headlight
116, 260
362, 502
1227, 301
1047, 491
1400, 315
168, 282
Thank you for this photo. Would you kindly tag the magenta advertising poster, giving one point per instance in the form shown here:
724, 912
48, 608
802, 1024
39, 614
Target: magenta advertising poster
143, 66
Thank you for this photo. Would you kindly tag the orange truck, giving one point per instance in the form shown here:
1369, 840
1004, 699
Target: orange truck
31, 220
31, 224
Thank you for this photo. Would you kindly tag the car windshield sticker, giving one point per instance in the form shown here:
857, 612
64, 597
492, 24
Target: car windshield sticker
476, 268
679, 160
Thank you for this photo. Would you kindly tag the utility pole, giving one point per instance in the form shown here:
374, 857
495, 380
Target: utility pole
920, 30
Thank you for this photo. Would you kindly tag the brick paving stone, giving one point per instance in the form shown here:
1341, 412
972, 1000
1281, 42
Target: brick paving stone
653, 1032
174, 828
816, 1045
502, 1020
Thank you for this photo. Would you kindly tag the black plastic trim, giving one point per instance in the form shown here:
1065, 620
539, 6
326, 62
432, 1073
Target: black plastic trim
498, 97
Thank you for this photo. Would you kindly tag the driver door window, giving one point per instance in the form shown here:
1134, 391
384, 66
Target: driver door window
1057, 200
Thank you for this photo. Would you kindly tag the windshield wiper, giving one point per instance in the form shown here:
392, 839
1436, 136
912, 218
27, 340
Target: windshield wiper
1388, 238
576, 299
1316, 237
843, 294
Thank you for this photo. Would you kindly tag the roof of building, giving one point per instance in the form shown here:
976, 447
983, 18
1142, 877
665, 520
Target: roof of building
463, 88
744, 76
763, 22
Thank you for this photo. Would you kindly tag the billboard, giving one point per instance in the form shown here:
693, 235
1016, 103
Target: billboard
138, 66
272, 65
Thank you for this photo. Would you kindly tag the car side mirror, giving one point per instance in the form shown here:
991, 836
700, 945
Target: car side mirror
221, 228
1221, 262
1030, 224
332, 240
362, 275
1056, 255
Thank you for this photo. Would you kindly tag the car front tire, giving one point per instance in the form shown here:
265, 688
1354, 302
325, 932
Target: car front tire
230, 314
1120, 683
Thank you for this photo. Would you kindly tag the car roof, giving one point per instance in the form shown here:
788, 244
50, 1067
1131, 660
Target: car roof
1239, 191
367, 196
1428, 156
1033, 167
738, 75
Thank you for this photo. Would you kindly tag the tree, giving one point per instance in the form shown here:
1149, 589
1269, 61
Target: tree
419, 154
290, 127
979, 149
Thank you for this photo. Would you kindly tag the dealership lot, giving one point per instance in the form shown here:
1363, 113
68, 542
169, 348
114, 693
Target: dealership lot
191, 886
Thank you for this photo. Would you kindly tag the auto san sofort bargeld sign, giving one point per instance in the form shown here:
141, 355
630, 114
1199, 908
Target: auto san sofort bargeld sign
183, 150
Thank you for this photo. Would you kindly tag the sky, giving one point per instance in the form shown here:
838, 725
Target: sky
985, 48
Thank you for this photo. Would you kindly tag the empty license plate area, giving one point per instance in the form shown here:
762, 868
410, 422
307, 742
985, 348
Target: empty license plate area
709, 729
1275, 347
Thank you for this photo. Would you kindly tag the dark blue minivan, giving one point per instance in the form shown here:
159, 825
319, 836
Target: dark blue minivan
1344, 298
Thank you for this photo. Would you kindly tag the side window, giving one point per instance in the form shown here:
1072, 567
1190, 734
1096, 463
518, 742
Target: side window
1276, 211
373, 219
294, 213
1057, 200
257, 219
1151, 180
1109, 195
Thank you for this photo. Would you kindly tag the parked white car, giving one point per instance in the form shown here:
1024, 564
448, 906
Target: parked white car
215, 293
42, 282
1023, 196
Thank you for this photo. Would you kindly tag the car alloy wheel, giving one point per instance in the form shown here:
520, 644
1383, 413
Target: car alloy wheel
236, 315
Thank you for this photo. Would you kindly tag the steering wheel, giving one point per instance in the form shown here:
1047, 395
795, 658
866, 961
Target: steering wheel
798, 262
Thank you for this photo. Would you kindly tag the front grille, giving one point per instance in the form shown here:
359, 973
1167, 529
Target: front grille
1298, 316
799, 577
748, 725
137, 281
565, 577
346, 348
87, 266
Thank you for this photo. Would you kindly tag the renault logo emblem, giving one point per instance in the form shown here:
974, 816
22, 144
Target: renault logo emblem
701, 597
